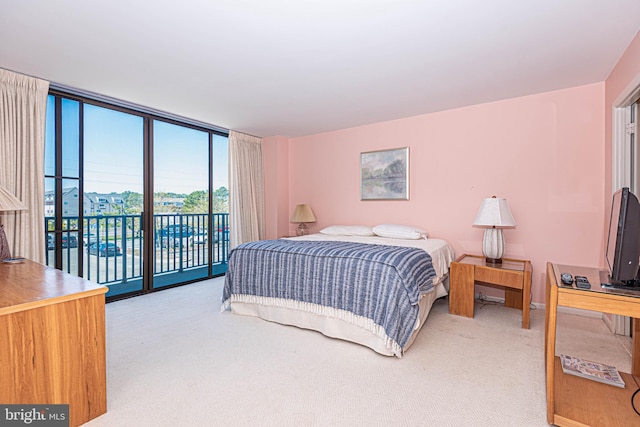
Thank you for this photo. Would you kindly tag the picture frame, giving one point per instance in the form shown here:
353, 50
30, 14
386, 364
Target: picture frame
384, 174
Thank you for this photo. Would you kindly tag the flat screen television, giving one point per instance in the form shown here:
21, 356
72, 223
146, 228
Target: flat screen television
623, 241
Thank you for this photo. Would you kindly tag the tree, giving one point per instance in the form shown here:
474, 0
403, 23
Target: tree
196, 202
395, 176
221, 200
132, 202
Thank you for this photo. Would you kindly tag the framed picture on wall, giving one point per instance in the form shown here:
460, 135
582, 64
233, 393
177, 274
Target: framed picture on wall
384, 174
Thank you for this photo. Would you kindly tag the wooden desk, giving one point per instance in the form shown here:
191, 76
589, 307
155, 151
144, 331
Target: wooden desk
576, 401
513, 275
52, 340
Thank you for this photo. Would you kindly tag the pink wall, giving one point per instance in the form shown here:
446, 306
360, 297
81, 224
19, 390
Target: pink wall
544, 153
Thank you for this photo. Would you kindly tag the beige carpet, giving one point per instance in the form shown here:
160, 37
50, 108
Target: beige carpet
173, 359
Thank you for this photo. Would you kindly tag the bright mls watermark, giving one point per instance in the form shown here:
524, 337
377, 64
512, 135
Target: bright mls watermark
34, 415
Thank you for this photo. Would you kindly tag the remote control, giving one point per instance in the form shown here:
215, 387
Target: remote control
582, 282
566, 278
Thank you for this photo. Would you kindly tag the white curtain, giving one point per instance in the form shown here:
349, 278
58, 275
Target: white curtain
246, 189
23, 103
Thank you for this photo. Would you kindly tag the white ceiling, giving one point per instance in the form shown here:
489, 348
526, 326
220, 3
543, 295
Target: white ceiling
295, 67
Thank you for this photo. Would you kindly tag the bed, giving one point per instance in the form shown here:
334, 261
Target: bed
370, 290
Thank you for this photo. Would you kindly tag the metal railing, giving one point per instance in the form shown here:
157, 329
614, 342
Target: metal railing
113, 245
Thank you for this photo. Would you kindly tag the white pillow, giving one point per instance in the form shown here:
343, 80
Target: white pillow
396, 231
347, 230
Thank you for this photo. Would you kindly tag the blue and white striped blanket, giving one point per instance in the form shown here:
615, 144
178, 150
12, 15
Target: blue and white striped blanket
381, 284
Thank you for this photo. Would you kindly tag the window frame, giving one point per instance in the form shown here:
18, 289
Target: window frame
149, 116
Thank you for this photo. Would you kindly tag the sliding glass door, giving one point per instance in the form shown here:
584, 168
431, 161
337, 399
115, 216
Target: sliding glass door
133, 201
113, 199
180, 203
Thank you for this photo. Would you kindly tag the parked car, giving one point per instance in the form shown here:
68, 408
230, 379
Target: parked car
200, 238
222, 231
173, 235
104, 249
69, 241
89, 238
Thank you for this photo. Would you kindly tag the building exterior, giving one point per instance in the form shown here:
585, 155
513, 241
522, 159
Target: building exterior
69, 202
94, 204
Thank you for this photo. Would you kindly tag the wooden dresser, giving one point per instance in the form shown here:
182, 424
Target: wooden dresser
52, 340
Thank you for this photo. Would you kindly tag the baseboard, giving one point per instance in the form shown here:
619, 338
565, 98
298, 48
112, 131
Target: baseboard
561, 309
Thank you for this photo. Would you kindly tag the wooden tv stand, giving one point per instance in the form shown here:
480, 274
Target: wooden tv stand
52, 344
576, 401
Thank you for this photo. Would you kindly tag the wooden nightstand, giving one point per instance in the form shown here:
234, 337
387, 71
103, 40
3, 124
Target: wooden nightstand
513, 275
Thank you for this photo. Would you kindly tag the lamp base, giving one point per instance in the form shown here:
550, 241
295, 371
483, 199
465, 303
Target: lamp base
5, 252
493, 245
302, 229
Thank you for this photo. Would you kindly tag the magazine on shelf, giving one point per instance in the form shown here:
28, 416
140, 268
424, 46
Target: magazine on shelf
591, 370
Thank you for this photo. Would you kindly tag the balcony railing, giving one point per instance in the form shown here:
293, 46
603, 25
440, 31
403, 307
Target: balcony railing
113, 247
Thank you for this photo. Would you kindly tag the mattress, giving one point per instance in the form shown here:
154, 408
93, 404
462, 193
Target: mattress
345, 325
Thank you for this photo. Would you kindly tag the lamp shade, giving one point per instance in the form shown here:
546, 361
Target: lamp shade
494, 212
9, 202
302, 213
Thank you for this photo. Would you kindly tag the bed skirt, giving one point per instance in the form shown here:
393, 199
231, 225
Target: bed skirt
339, 323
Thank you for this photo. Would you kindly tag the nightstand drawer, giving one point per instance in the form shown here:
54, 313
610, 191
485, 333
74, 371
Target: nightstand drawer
506, 278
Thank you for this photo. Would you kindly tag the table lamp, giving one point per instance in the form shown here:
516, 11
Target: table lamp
302, 214
494, 215
8, 202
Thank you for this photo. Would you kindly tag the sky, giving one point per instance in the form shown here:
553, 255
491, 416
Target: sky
113, 152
